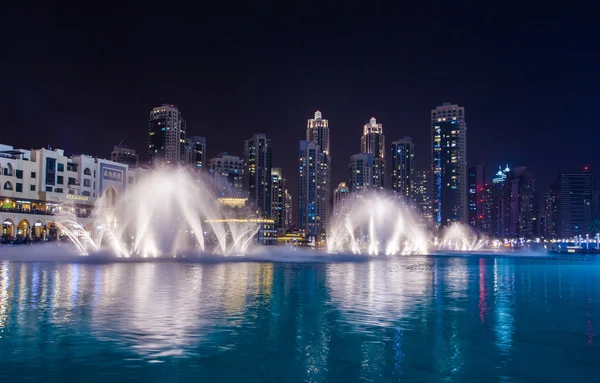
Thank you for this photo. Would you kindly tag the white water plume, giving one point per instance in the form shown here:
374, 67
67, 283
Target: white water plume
168, 212
376, 223
459, 237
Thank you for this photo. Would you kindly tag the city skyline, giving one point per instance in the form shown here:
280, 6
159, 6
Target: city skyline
271, 81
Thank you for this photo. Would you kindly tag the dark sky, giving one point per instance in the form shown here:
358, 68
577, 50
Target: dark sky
84, 77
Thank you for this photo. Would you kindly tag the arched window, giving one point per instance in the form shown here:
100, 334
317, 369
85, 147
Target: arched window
8, 186
87, 172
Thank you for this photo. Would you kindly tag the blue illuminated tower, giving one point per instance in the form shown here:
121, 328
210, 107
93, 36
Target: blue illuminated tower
449, 164
311, 159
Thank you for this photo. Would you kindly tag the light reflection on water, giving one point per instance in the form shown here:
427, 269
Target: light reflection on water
410, 319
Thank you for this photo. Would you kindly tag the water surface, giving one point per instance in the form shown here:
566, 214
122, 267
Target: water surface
410, 319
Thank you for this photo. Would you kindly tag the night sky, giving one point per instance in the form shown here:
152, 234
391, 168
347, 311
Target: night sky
83, 78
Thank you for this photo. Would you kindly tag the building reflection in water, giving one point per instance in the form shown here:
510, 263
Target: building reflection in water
4, 295
504, 303
409, 319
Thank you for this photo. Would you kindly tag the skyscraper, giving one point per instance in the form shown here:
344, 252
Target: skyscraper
227, 176
199, 153
317, 130
500, 222
309, 220
449, 164
278, 205
360, 171
402, 158
476, 196
574, 210
125, 155
257, 173
288, 210
550, 212
166, 136
339, 195
514, 204
373, 142
423, 197
523, 204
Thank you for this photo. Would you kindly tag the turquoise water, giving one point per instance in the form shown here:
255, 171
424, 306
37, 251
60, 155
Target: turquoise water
411, 319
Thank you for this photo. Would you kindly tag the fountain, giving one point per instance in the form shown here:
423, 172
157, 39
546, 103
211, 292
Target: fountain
169, 212
377, 223
459, 237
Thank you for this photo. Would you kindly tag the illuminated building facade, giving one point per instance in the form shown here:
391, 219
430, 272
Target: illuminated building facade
317, 130
360, 171
227, 176
373, 142
523, 204
166, 136
476, 198
574, 207
37, 184
501, 204
288, 211
423, 197
339, 196
309, 221
278, 208
402, 168
514, 204
257, 173
125, 155
195, 152
548, 217
449, 164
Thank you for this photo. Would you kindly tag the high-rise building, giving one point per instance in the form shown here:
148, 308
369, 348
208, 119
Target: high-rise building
360, 172
339, 196
166, 136
574, 210
373, 142
317, 130
500, 222
402, 158
309, 221
488, 203
449, 164
288, 210
199, 153
548, 217
257, 173
188, 151
125, 155
476, 198
523, 204
514, 204
195, 152
423, 197
227, 176
278, 205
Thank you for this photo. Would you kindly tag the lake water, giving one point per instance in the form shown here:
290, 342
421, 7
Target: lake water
410, 319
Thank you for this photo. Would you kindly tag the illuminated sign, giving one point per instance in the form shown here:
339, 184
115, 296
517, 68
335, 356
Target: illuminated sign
78, 197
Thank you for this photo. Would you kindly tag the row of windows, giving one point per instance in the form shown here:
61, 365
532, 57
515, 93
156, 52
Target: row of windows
19, 189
